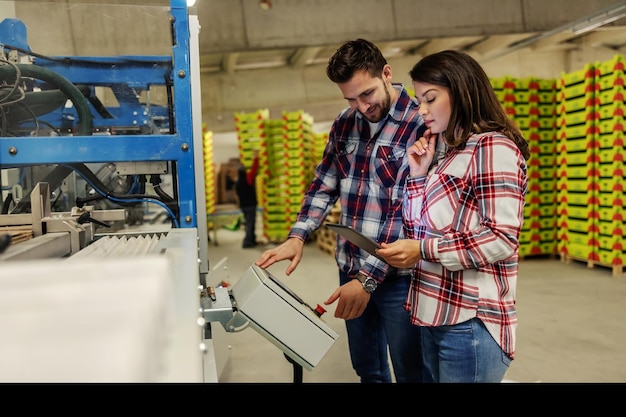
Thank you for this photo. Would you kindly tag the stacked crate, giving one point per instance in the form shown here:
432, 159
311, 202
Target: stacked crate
577, 176
610, 162
541, 136
530, 102
277, 206
319, 143
209, 169
250, 128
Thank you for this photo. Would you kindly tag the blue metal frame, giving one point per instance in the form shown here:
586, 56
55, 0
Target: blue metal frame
176, 147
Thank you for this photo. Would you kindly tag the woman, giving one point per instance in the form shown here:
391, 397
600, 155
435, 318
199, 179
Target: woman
463, 218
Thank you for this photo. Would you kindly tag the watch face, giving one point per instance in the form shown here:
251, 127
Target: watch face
370, 284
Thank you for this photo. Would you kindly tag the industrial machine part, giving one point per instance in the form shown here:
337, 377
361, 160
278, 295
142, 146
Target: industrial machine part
84, 142
262, 302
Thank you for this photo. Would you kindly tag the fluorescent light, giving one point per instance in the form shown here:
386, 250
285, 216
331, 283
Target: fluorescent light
603, 18
190, 3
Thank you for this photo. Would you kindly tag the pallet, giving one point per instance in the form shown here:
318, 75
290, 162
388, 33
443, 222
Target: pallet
616, 270
326, 240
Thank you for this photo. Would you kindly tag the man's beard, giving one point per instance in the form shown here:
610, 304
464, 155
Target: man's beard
385, 106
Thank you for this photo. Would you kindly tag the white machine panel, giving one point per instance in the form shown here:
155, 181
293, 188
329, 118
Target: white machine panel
282, 317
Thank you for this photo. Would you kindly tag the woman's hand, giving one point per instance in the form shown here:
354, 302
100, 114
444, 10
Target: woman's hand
421, 154
403, 253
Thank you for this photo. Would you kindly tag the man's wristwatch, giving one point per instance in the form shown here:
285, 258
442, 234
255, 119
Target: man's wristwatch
369, 284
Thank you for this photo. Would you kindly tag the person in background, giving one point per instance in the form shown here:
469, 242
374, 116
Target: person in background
364, 167
463, 216
247, 197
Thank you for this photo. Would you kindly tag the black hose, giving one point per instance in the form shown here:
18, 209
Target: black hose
8, 72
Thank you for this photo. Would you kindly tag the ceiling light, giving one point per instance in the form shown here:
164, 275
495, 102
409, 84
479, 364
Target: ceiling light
265, 4
602, 18
190, 3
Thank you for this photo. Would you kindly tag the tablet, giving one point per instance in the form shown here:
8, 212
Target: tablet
356, 237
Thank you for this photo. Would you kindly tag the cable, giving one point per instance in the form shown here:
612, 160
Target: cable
9, 72
126, 200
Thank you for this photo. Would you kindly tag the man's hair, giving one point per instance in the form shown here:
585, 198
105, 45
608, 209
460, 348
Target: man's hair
353, 56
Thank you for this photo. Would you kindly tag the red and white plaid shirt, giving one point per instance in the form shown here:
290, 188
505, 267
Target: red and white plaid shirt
468, 213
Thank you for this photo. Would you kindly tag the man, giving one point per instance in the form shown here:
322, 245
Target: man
246, 195
364, 166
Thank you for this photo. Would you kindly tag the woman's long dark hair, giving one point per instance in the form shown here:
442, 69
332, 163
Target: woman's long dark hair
475, 107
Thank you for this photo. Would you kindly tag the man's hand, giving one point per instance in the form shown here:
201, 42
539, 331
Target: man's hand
352, 300
290, 249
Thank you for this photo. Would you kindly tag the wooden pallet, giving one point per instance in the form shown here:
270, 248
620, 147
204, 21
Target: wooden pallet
616, 270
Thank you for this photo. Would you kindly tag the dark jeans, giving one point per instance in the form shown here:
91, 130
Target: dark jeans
249, 214
383, 331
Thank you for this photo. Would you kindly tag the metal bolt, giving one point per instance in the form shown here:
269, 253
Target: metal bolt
181, 74
12, 150
184, 147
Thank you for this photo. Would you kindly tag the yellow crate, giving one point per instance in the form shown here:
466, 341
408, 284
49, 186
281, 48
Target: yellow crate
577, 238
609, 185
610, 140
579, 76
607, 67
616, 124
579, 225
611, 243
577, 104
611, 199
577, 90
613, 95
576, 158
548, 84
576, 131
581, 185
521, 96
612, 258
547, 110
261, 114
615, 79
498, 83
610, 110
578, 171
615, 213
611, 169
577, 117
610, 227
579, 251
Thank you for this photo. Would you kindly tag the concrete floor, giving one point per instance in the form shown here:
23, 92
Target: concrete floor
572, 321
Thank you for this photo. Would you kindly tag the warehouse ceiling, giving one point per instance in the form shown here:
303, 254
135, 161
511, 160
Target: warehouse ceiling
272, 36
252, 57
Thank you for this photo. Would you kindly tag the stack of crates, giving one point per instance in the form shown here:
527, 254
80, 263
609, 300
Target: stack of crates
250, 128
577, 176
319, 143
610, 161
209, 169
279, 208
287, 158
530, 102
539, 230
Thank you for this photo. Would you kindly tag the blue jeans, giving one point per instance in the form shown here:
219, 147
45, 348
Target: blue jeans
463, 352
384, 331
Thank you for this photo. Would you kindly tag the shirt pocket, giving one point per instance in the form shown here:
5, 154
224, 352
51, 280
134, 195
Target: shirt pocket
387, 164
345, 150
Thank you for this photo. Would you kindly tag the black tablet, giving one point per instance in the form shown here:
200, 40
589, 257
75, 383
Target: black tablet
356, 237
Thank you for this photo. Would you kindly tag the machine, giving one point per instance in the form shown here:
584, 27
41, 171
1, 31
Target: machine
103, 229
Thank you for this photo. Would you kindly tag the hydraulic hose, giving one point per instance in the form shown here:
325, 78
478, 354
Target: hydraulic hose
85, 127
